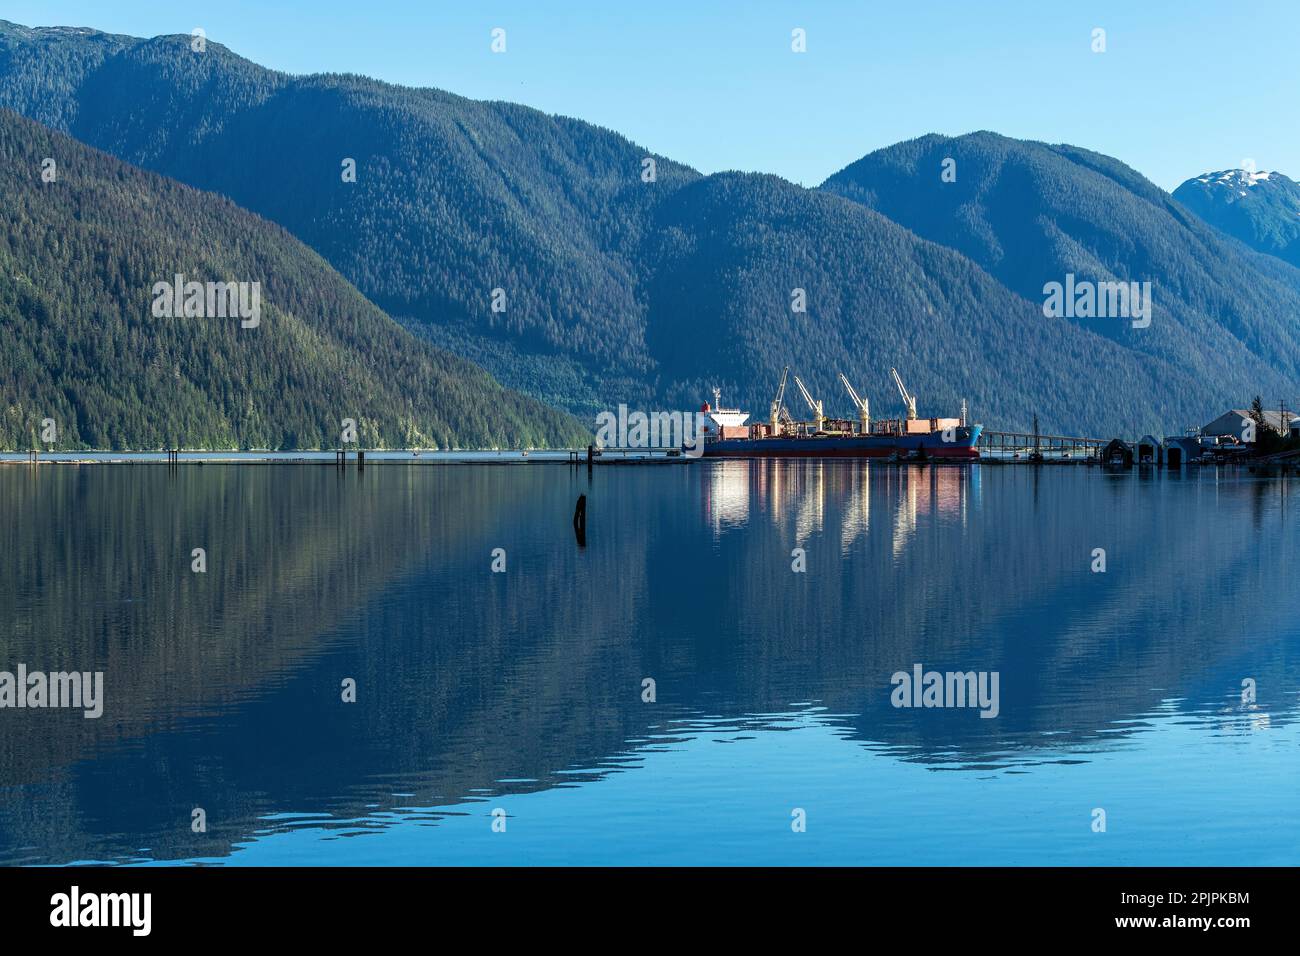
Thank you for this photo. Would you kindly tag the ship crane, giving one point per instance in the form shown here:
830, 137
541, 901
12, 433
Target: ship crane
909, 399
861, 404
777, 409
815, 406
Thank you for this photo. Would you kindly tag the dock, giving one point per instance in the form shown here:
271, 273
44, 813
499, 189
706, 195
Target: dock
1021, 446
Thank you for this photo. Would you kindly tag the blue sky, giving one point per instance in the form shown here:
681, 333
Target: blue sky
1183, 88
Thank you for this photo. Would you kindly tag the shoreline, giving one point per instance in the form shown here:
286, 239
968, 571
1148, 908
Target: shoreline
371, 456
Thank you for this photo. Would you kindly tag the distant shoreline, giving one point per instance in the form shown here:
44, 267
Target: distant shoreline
372, 456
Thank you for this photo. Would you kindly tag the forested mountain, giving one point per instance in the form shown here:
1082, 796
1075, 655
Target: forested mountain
452, 198
1031, 213
86, 240
1262, 209
731, 247
618, 289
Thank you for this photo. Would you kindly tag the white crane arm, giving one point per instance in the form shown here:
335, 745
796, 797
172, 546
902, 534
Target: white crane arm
806, 397
909, 400
853, 395
777, 408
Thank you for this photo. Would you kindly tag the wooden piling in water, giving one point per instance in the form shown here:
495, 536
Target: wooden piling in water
580, 521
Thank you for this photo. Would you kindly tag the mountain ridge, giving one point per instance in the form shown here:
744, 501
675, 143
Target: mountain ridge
1032, 213
614, 289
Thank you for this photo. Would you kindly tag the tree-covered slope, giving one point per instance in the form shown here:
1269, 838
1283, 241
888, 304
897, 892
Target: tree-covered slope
732, 247
1032, 213
616, 289
452, 198
82, 249
1262, 209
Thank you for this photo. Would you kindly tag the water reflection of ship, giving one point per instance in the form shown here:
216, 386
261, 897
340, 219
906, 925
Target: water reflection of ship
802, 490
726, 496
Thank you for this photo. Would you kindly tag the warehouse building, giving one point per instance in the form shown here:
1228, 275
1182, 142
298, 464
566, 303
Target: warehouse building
1232, 424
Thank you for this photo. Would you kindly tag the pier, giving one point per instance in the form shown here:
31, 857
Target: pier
1020, 446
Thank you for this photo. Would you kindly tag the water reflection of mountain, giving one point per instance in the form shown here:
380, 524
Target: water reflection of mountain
99, 577
991, 571
467, 678
223, 689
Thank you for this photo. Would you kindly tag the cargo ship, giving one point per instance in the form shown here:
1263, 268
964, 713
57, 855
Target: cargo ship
727, 432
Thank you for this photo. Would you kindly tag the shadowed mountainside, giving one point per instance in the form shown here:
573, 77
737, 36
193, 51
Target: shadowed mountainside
1223, 320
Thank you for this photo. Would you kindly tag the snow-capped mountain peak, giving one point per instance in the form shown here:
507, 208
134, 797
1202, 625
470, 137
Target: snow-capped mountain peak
1234, 178
1260, 208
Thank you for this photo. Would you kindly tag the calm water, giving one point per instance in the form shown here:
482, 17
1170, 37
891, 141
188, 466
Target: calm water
522, 691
